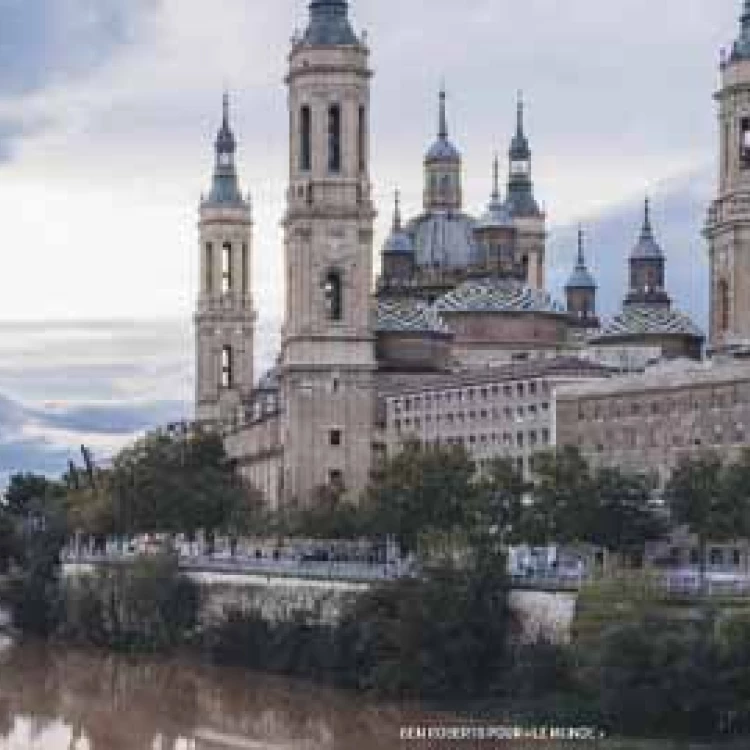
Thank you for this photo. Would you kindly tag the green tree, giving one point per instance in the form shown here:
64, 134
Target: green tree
623, 517
167, 482
421, 489
563, 502
697, 498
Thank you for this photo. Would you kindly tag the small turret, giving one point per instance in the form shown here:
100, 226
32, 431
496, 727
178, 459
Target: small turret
225, 187
398, 250
647, 268
521, 201
442, 168
580, 291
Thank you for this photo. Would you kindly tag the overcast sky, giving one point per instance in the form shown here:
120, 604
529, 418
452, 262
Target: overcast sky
109, 108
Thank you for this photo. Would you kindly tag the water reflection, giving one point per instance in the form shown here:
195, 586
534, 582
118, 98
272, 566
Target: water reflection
73, 700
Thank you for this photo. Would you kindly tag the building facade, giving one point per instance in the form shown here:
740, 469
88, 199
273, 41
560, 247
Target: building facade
645, 423
504, 412
458, 341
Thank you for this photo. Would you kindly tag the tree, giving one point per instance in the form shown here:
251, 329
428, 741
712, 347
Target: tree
498, 499
623, 518
167, 482
563, 499
697, 498
419, 490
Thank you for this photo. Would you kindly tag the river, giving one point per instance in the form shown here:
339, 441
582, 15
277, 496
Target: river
59, 699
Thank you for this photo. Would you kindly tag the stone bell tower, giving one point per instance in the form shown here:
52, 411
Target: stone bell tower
728, 226
328, 351
224, 318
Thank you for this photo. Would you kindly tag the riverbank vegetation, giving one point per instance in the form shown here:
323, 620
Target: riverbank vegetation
446, 636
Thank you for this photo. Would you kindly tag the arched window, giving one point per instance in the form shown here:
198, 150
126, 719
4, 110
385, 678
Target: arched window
226, 268
445, 185
333, 290
362, 140
305, 149
227, 364
334, 138
723, 293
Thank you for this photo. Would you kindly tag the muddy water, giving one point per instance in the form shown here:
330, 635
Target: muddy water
73, 700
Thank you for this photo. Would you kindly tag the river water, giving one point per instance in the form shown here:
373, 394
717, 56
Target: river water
59, 699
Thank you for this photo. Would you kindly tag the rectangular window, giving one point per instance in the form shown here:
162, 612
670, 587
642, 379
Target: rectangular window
334, 438
334, 138
227, 376
336, 478
209, 268
305, 151
226, 268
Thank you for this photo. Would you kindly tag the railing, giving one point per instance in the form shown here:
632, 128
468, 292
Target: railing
239, 564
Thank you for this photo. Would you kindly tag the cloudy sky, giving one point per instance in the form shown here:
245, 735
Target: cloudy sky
108, 109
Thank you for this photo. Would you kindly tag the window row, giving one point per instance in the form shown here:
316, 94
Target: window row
631, 439
608, 409
519, 390
227, 268
532, 439
519, 414
334, 134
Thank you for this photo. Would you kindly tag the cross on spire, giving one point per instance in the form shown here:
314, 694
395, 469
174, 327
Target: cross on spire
443, 119
647, 231
581, 255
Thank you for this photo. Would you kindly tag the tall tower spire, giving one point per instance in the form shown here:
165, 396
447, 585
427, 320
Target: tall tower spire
520, 187
581, 288
442, 179
728, 226
225, 318
328, 343
225, 186
647, 268
397, 212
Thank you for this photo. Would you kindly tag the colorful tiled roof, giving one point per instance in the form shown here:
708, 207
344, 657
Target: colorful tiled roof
408, 316
647, 321
497, 295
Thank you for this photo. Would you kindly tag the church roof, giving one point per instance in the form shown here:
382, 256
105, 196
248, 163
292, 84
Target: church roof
497, 215
329, 25
497, 296
638, 320
442, 150
647, 248
581, 277
399, 241
408, 316
741, 46
444, 239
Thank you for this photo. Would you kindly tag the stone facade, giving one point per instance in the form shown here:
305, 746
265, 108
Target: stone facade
728, 226
328, 344
225, 318
647, 422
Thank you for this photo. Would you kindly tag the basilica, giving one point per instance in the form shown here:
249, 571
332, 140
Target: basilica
454, 338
